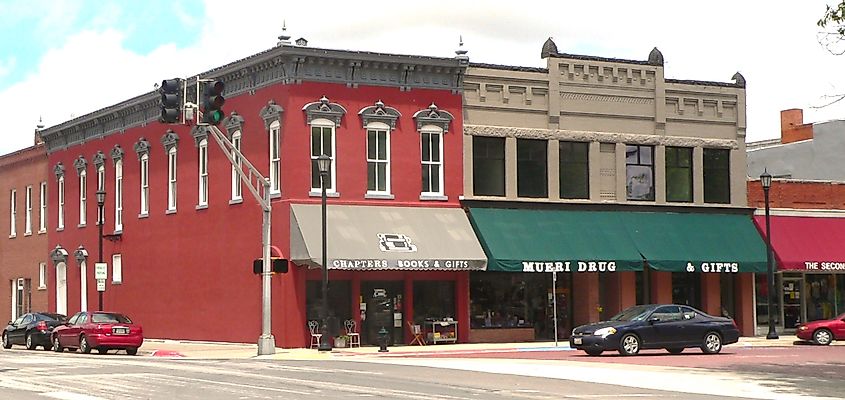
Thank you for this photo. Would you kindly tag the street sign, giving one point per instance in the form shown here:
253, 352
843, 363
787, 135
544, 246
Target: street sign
101, 285
101, 271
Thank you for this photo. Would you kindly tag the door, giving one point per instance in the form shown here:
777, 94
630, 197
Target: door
61, 288
384, 309
792, 295
66, 335
15, 335
83, 286
665, 328
838, 328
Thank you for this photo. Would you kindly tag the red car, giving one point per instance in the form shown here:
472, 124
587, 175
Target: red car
104, 331
824, 331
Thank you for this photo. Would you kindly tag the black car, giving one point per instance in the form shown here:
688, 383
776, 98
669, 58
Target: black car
32, 330
656, 326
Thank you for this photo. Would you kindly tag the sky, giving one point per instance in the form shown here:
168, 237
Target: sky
60, 59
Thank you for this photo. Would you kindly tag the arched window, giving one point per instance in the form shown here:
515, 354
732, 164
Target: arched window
237, 191
83, 196
432, 160
171, 179
118, 195
203, 173
145, 184
275, 157
322, 142
378, 158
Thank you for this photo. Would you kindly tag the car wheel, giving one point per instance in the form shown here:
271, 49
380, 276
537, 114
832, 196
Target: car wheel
6, 343
594, 352
132, 351
675, 351
56, 346
102, 351
822, 337
712, 343
29, 343
84, 347
629, 345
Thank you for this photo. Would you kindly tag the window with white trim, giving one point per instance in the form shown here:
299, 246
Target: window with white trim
28, 215
432, 160
275, 157
378, 158
118, 195
42, 276
322, 142
42, 211
61, 212
83, 197
117, 268
101, 186
203, 173
171, 179
237, 190
145, 184
13, 211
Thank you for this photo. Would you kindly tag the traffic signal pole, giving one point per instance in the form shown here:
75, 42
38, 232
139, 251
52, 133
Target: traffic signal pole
259, 186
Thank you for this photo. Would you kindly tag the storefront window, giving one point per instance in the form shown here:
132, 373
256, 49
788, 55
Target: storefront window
340, 295
434, 300
513, 300
820, 296
840, 294
686, 289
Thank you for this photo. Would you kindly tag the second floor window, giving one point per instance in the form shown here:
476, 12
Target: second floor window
42, 211
13, 211
28, 216
532, 168
322, 142
639, 163
237, 192
432, 160
60, 218
203, 173
275, 157
679, 174
101, 185
83, 197
488, 166
717, 176
378, 158
574, 170
171, 179
145, 184
118, 195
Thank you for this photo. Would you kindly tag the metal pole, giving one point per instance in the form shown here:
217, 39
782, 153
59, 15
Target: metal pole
554, 301
266, 343
100, 252
325, 341
770, 274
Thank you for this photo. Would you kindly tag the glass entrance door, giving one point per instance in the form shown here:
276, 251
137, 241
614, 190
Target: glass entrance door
792, 296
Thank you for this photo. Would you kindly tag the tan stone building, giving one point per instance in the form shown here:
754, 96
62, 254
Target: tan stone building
23, 244
606, 167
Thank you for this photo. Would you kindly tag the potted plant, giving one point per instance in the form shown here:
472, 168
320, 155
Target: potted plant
341, 340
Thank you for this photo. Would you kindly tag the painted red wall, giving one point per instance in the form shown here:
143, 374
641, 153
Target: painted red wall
189, 275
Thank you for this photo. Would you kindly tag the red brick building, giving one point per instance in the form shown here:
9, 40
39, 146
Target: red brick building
23, 245
181, 233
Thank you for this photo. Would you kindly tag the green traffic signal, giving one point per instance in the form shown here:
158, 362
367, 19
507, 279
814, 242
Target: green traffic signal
213, 101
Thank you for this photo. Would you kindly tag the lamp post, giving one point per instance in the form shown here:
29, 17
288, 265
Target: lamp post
101, 199
324, 162
766, 180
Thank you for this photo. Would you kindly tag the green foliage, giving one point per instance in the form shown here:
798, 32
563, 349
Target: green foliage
834, 18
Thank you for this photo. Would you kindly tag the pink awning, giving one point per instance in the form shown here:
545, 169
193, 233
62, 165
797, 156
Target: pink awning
806, 243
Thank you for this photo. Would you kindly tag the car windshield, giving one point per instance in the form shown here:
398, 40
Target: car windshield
636, 313
105, 318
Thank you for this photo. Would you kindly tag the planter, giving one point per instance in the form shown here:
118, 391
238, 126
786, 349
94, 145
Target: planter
340, 342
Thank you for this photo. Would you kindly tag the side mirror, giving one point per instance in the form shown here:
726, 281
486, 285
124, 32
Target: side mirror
10, 322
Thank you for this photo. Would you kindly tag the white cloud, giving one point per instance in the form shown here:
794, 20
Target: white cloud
776, 51
7, 66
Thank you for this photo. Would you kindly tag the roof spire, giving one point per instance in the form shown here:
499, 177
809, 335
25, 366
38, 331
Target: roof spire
461, 52
284, 38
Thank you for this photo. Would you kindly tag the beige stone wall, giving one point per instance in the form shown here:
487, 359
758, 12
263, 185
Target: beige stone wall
609, 103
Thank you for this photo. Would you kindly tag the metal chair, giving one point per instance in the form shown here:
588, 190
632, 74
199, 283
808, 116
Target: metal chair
316, 336
417, 334
352, 332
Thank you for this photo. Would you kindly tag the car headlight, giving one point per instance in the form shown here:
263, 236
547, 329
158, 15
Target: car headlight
605, 332
802, 328
573, 330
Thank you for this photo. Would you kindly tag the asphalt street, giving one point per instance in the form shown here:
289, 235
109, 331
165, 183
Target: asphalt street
35, 375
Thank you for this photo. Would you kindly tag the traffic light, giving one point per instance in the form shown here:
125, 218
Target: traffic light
170, 102
212, 102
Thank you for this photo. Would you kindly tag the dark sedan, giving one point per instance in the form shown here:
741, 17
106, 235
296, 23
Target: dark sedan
32, 330
656, 326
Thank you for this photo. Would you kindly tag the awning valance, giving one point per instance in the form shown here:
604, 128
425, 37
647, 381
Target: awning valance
522, 240
385, 238
812, 244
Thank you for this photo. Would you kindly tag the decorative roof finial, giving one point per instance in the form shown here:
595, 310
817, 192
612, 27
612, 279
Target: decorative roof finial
655, 57
549, 48
284, 38
40, 124
461, 52
739, 80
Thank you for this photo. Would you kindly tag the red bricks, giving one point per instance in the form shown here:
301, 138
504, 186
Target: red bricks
792, 126
798, 194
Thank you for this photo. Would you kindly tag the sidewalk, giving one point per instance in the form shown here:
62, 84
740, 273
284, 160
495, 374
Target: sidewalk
221, 350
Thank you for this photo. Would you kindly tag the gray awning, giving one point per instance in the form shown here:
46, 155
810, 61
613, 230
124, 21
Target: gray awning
385, 238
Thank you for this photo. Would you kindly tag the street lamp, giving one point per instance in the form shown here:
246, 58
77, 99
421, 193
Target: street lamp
324, 162
101, 199
766, 180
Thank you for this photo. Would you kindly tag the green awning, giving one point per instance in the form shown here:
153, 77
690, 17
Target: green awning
518, 240
697, 242
522, 240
